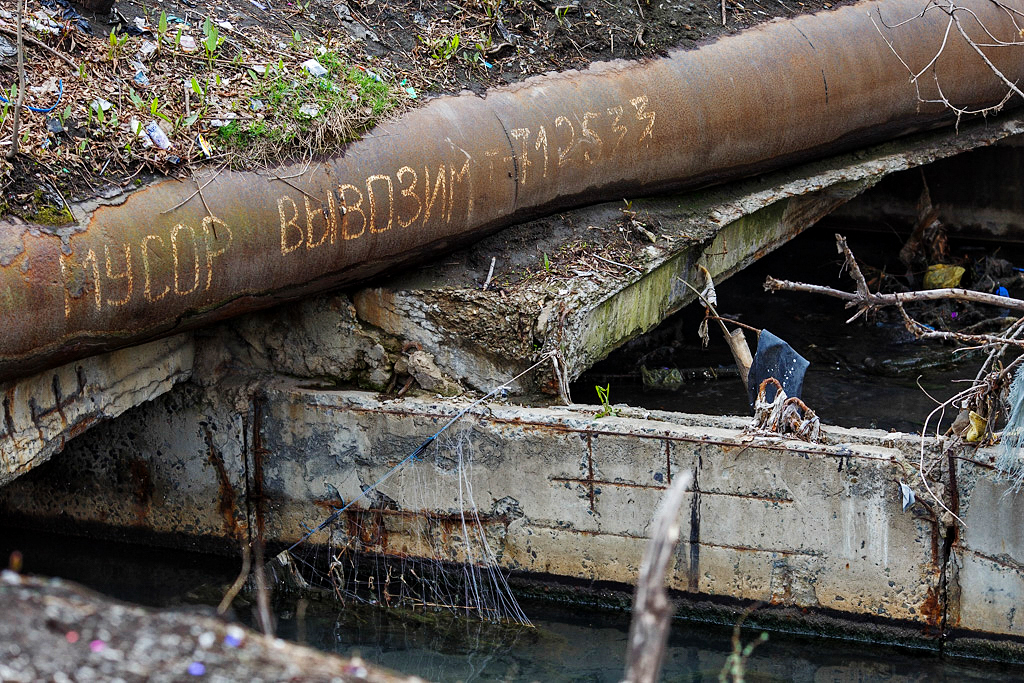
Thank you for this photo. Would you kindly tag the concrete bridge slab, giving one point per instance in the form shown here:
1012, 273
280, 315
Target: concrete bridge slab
579, 283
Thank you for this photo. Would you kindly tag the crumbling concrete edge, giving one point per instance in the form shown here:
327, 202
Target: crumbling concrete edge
41, 413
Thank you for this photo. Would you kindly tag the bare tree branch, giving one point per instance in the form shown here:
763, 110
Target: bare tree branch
652, 609
871, 300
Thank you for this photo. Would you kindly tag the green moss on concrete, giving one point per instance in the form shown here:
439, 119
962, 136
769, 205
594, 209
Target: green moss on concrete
50, 215
648, 301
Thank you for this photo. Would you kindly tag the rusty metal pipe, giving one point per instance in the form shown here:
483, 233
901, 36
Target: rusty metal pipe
461, 166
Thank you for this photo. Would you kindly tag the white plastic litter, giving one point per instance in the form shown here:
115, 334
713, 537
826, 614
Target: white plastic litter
314, 68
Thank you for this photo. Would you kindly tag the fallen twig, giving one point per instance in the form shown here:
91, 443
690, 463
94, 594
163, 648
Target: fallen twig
16, 124
877, 300
187, 199
925, 332
616, 263
490, 273
32, 41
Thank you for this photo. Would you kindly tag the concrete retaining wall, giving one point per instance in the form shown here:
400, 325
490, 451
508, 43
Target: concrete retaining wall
817, 527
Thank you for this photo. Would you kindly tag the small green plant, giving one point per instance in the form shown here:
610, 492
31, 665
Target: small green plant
735, 667
442, 49
136, 99
161, 30
64, 115
212, 40
547, 262
117, 44
606, 407
12, 96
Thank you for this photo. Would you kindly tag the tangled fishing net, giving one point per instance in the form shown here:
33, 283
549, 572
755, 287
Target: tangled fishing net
450, 549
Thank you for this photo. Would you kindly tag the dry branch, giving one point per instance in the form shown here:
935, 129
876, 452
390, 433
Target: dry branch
16, 124
652, 610
871, 300
40, 44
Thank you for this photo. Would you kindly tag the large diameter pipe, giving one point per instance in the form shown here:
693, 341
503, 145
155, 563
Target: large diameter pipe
167, 259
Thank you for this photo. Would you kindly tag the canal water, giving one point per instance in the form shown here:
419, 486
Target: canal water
567, 642
870, 373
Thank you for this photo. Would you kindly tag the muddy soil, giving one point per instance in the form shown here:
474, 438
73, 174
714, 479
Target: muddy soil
500, 41
428, 47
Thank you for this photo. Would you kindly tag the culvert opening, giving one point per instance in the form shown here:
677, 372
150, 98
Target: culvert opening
869, 373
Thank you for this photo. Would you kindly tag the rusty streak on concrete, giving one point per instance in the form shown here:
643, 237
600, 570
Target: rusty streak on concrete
558, 492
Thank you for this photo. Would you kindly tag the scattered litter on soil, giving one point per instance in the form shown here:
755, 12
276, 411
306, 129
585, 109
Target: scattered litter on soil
157, 88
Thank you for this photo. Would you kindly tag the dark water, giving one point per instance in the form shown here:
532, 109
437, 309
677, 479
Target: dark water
865, 374
567, 643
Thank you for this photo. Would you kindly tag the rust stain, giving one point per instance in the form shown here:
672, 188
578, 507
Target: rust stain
8, 418
931, 609
81, 425
142, 487
600, 482
1003, 561
143, 268
658, 487
368, 526
668, 462
740, 548
431, 515
255, 492
590, 469
226, 502
750, 549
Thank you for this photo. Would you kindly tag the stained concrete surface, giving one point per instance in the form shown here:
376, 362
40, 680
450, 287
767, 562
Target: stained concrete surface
559, 492
43, 412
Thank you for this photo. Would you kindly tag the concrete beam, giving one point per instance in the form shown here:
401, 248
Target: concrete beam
43, 412
610, 282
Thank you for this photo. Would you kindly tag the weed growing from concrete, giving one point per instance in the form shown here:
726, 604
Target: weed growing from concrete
606, 407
